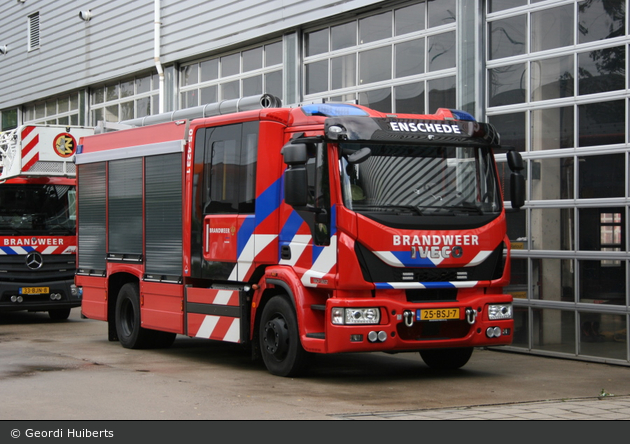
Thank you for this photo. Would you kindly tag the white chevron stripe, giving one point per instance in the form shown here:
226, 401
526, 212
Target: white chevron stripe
481, 256
207, 327
234, 332
298, 245
418, 285
223, 297
326, 260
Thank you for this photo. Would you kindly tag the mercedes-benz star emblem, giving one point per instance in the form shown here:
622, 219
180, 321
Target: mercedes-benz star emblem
34, 260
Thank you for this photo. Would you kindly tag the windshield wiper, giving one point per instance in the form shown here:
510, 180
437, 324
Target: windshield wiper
435, 209
405, 208
470, 207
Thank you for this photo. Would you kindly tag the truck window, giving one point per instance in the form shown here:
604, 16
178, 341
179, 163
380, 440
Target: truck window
432, 181
37, 209
230, 169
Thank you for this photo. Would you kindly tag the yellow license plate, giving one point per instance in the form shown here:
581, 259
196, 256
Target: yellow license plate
34, 290
438, 314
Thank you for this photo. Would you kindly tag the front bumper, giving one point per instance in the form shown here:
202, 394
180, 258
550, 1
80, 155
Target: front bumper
400, 330
60, 295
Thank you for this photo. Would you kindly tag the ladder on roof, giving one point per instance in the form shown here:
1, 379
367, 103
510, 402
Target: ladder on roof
40, 151
8, 151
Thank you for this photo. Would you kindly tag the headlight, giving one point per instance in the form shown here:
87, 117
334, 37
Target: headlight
341, 316
499, 311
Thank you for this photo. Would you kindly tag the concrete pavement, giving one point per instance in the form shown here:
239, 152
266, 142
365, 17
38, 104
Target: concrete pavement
603, 408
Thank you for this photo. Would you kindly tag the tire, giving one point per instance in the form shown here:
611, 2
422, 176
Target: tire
446, 358
128, 324
279, 338
59, 314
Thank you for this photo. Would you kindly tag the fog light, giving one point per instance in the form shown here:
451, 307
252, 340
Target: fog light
377, 336
499, 311
74, 290
14, 298
493, 332
20, 299
356, 338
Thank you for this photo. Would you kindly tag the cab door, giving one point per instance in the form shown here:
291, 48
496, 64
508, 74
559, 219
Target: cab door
229, 199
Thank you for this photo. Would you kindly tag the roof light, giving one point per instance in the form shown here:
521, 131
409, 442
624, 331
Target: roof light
332, 110
462, 115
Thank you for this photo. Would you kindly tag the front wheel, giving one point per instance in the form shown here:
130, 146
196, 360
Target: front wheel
446, 358
128, 327
280, 344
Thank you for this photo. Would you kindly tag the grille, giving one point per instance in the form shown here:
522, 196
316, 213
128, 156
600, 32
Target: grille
55, 267
431, 275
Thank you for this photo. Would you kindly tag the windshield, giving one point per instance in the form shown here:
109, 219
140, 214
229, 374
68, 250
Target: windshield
37, 210
421, 180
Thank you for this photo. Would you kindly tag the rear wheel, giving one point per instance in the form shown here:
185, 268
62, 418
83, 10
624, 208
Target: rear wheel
280, 344
59, 314
128, 327
446, 358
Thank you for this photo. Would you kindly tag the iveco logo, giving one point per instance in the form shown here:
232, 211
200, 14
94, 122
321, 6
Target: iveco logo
34, 260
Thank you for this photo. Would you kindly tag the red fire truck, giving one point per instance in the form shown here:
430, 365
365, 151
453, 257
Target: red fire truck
38, 219
324, 228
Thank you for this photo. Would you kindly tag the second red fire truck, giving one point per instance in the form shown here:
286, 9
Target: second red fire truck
324, 228
38, 219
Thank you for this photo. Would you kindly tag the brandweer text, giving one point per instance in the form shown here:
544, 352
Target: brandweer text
431, 240
33, 242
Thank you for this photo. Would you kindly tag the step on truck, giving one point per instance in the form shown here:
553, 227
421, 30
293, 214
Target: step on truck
38, 219
322, 228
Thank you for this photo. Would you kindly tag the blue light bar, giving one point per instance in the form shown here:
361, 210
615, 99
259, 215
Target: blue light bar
332, 110
462, 115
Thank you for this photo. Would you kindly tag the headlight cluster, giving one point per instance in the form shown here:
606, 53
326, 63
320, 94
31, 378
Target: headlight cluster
499, 311
346, 316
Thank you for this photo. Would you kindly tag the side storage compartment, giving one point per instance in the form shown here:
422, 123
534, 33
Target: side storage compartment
91, 244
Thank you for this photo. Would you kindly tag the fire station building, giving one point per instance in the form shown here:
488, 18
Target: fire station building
551, 75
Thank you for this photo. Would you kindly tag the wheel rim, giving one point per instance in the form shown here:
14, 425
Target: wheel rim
276, 338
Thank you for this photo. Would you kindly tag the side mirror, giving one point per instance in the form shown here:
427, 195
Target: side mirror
296, 186
295, 154
295, 176
515, 161
517, 190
